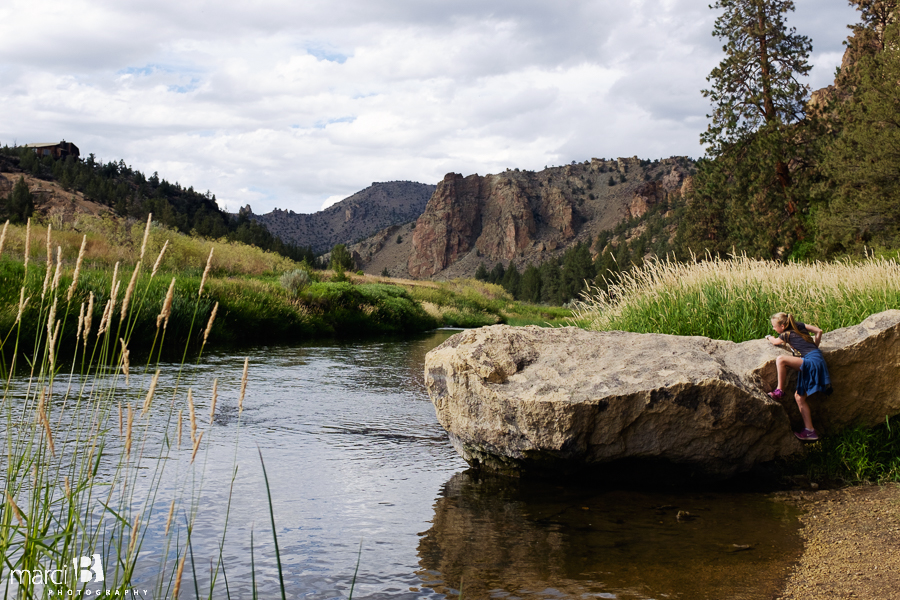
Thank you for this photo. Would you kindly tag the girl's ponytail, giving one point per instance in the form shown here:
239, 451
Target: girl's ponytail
792, 325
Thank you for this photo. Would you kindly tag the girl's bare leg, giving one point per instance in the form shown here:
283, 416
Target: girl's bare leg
782, 363
804, 411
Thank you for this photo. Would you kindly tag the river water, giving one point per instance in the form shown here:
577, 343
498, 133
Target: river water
360, 471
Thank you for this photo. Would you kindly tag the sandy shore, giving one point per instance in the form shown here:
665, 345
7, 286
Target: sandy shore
852, 539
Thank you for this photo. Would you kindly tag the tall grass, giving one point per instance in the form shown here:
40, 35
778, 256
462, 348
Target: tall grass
88, 440
732, 299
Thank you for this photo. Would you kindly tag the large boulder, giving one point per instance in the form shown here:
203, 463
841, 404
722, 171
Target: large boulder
531, 398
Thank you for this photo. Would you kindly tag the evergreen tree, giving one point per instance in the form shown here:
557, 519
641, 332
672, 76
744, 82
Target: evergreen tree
19, 202
752, 139
511, 280
530, 285
577, 268
341, 260
481, 273
496, 274
551, 283
862, 162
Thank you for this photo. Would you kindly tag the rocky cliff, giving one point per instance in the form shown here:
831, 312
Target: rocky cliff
357, 217
522, 216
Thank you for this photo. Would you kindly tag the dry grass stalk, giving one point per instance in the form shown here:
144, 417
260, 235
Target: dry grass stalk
180, 421
209, 325
3, 236
80, 325
52, 346
15, 507
68, 487
77, 269
105, 318
23, 302
205, 272
128, 430
193, 416
121, 429
163, 317
169, 518
58, 271
88, 317
134, 535
27, 244
243, 385
130, 291
215, 396
42, 415
51, 317
126, 360
196, 446
150, 393
146, 235
178, 574
46, 285
159, 259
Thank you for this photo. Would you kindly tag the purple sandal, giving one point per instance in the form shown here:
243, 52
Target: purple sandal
776, 394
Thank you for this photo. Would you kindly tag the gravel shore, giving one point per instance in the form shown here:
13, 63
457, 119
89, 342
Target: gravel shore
852, 544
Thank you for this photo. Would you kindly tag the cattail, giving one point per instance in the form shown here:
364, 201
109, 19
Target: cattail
128, 430
150, 393
126, 359
180, 421
243, 385
3, 236
197, 445
193, 416
16, 511
88, 317
22, 304
167, 306
146, 235
130, 291
169, 519
178, 574
80, 325
27, 243
205, 271
215, 396
209, 325
58, 268
77, 269
159, 260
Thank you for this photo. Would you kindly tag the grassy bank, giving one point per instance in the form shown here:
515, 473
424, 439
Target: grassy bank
733, 300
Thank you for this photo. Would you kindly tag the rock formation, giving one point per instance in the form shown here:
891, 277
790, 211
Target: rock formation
516, 399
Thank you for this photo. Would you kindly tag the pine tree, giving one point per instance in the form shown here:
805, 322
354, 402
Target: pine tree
19, 202
752, 137
862, 163
530, 285
481, 273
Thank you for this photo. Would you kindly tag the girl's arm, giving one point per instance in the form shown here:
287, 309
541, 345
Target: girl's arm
818, 338
774, 340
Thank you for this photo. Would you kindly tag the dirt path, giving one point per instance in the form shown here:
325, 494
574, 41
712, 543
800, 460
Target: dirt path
852, 541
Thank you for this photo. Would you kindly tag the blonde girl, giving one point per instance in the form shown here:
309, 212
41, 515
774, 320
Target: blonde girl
813, 376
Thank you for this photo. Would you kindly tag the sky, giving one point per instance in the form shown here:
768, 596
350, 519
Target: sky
297, 104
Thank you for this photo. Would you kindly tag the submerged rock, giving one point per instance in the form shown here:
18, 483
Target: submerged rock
538, 399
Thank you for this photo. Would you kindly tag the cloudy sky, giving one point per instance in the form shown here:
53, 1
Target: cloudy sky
298, 103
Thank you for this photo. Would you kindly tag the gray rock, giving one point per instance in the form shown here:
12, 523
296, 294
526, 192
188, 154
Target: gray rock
531, 398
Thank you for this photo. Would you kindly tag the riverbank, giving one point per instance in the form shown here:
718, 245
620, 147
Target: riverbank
851, 537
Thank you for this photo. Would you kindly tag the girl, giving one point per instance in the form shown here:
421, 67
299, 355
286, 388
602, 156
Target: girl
813, 376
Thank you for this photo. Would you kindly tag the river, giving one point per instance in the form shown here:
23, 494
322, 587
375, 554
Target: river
360, 472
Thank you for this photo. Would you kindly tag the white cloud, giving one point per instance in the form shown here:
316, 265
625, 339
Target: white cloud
288, 104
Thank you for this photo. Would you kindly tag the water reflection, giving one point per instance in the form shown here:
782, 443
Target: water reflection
525, 539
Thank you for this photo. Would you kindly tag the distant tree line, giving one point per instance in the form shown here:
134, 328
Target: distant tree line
132, 194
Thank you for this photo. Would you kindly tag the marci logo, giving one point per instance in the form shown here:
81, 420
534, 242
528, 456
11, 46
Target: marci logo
91, 568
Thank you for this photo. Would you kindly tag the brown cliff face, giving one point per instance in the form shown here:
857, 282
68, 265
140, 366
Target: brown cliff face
498, 215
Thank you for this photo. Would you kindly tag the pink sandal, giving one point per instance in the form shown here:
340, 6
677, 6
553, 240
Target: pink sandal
776, 394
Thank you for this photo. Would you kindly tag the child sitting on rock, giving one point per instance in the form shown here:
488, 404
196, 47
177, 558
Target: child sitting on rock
813, 376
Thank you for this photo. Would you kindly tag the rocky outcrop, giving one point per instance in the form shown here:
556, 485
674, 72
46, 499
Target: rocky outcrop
516, 399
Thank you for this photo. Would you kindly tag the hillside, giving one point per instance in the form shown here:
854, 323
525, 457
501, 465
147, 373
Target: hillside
521, 217
352, 219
